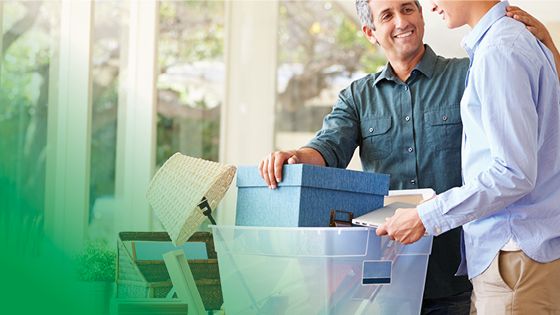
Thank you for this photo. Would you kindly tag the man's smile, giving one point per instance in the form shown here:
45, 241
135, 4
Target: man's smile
404, 34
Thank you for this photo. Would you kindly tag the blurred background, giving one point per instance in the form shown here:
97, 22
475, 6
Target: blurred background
95, 96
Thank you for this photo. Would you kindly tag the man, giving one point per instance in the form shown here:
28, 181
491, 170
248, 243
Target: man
406, 122
509, 204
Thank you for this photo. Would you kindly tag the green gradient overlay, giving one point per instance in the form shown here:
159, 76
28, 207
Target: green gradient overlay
37, 277
41, 281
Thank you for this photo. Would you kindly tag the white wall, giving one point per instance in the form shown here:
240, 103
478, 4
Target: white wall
446, 42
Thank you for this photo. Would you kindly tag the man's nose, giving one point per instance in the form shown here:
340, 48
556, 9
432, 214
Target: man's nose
400, 20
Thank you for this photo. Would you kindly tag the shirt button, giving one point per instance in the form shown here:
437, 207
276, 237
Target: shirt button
410, 149
406, 87
371, 129
438, 230
407, 118
413, 181
444, 118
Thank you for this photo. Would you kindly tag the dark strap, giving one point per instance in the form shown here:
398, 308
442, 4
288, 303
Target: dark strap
206, 210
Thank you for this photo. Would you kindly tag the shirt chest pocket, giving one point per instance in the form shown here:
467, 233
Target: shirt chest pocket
376, 138
444, 128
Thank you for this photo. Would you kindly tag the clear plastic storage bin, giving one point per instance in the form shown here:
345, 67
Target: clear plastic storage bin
319, 271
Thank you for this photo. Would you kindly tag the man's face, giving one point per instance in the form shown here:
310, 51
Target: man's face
399, 27
453, 12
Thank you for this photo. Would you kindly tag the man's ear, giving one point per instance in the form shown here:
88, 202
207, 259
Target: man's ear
368, 32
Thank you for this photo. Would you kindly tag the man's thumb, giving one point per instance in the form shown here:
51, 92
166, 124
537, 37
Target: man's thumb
293, 160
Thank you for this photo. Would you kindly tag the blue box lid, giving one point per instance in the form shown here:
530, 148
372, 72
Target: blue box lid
306, 175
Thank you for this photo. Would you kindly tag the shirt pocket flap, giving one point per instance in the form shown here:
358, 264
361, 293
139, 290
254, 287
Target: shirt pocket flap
445, 116
375, 126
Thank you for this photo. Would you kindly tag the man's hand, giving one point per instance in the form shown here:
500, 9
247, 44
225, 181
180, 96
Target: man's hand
271, 166
405, 226
537, 29
533, 25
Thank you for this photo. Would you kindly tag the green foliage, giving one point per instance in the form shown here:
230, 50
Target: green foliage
320, 32
190, 32
103, 140
371, 62
23, 95
321, 46
97, 262
203, 142
348, 35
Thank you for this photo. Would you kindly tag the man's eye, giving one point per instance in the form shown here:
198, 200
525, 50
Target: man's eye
385, 17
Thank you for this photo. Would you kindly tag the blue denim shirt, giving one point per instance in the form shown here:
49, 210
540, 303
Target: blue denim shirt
412, 131
511, 148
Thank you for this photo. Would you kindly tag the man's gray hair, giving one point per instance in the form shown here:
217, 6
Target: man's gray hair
365, 15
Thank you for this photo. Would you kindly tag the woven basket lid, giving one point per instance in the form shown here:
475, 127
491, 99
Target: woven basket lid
178, 188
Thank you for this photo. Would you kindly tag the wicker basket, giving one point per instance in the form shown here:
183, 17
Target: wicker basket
150, 279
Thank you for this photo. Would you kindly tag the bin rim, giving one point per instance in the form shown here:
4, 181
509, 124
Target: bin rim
292, 228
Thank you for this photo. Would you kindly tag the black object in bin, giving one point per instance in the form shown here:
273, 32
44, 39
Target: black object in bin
335, 222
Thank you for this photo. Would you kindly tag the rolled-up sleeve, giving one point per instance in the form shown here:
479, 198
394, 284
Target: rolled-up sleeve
340, 133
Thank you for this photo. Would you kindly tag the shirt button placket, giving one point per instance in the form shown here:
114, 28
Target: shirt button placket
408, 137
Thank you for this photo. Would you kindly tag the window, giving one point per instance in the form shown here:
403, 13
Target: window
191, 80
27, 45
108, 56
321, 50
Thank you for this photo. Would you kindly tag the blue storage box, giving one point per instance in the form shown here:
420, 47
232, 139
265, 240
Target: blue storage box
306, 196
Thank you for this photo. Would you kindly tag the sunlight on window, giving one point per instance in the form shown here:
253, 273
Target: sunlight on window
191, 79
321, 50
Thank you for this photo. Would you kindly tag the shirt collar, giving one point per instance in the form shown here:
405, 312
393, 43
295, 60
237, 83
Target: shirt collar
470, 42
426, 66
428, 62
